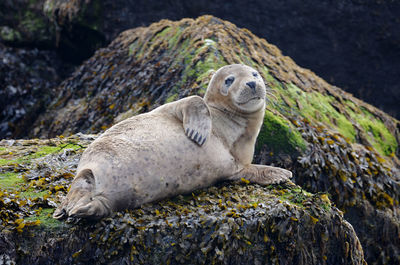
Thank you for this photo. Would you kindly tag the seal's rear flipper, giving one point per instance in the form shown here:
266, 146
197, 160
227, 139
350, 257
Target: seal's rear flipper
263, 175
92, 207
81, 190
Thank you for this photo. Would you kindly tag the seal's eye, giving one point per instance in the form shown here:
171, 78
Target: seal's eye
255, 74
229, 81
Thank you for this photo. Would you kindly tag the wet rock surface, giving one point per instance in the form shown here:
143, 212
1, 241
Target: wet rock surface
337, 146
23, 24
227, 224
334, 142
28, 78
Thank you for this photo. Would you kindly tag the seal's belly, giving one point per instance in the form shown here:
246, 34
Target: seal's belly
158, 161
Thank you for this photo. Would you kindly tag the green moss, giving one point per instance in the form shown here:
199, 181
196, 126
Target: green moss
377, 133
163, 33
319, 107
32, 193
173, 40
268, 77
9, 34
171, 98
5, 162
41, 151
33, 23
213, 60
45, 218
9, 180
294, 196
132, 48
202, 61
279, 135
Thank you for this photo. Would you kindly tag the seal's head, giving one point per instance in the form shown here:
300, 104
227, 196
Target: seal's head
236, 88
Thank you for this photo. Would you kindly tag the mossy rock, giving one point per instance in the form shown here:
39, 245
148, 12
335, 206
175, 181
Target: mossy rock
22, 23
27, 81
146, 67
230, 223
333, 142
79, 27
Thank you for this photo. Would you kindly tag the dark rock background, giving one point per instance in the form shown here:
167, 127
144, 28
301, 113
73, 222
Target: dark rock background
28, 78
354, 44
352, 149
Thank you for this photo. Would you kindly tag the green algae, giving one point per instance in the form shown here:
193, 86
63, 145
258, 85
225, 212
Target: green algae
319, 107
279, 136
33, 193
33, 23
291, 193
5, 162
132, 48
163, 32
45, 218
9, 34
376, 132
171, 98
174, 39
10, 180
39, 152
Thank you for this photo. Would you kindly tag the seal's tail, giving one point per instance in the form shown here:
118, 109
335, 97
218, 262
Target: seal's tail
80, 200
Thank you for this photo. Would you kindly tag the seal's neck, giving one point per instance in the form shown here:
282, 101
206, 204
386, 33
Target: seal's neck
238, 131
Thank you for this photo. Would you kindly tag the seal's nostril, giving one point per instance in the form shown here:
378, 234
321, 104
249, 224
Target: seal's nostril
252, 85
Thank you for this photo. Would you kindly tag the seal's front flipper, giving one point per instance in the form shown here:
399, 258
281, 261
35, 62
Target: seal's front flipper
195, 117
263, 175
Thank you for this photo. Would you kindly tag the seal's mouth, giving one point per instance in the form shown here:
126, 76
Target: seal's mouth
251, 99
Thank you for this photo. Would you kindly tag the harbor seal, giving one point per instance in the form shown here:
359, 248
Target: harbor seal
176, 148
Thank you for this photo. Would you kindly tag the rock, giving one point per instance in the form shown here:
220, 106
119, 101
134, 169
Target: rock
332, 141
78, 27
27, 81
22, 23
353, 44
226, 224
73, 28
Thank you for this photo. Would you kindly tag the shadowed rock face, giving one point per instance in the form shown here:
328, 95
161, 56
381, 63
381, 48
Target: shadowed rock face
333, 142
27, 81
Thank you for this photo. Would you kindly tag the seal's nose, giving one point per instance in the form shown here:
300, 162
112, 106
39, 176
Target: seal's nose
252, 85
